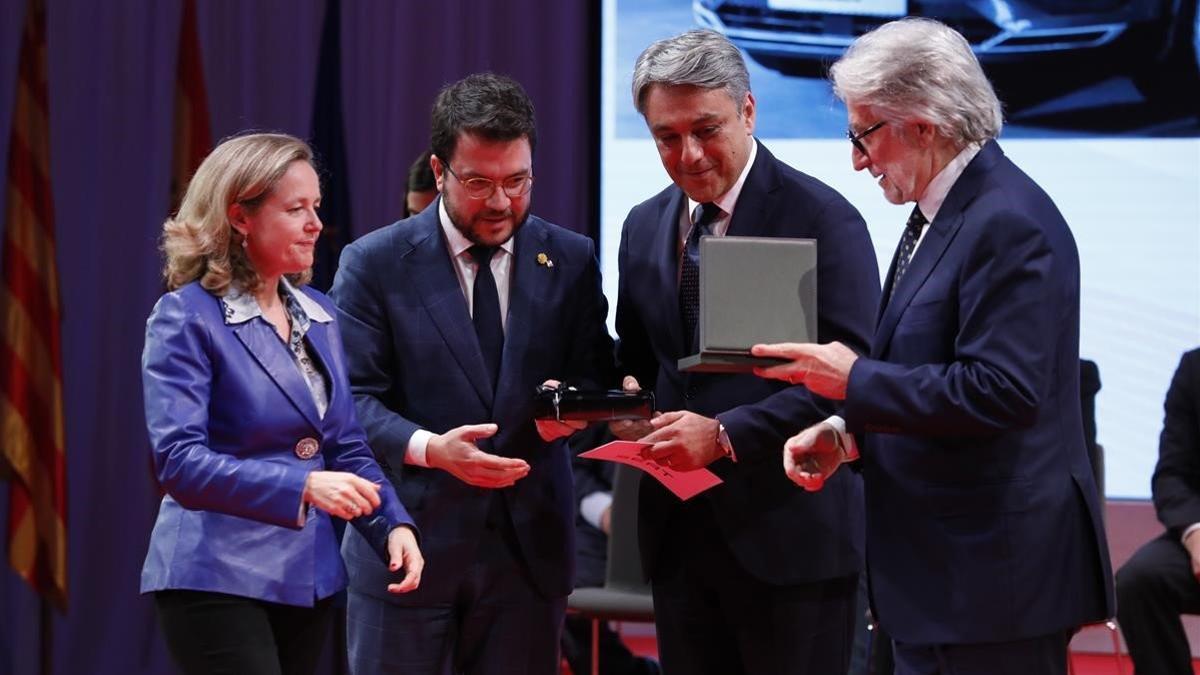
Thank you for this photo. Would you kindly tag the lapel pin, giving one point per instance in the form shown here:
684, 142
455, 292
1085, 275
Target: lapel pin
544, 260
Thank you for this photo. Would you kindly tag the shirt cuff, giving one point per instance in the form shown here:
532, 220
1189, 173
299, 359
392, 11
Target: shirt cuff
1190, 529
593, 506
849, 447
417, 444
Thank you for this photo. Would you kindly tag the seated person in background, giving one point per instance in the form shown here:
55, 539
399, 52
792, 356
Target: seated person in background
593, 502
1160, 581
422, 188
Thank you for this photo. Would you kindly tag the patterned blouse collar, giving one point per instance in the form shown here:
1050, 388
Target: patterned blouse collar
239, 306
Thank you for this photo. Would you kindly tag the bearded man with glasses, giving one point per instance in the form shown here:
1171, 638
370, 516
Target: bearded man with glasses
452, 318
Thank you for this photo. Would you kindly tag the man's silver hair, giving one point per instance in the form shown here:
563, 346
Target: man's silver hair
920, 68
700, 58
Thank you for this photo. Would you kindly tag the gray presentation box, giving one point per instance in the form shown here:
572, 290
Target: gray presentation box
753, 290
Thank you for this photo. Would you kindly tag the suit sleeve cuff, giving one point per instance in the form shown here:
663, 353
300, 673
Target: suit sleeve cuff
417, 444
593, 506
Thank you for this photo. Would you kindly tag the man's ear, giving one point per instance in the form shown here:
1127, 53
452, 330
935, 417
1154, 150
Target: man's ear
922, 133
439, 171
749, 111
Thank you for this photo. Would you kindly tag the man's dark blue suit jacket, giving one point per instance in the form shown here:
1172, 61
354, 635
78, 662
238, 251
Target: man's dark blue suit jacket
778, 532
415, 363
983, 521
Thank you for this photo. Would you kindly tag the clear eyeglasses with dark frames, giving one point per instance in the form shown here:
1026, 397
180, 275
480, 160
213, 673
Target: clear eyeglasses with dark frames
856, 139
482, 188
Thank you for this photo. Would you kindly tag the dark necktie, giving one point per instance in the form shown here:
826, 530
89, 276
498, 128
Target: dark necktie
908, 243
485, 303
689, 274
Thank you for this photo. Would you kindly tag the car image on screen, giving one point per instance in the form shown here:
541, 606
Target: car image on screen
1155, 42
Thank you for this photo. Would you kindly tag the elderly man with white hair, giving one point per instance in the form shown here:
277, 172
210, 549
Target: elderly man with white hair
985, 548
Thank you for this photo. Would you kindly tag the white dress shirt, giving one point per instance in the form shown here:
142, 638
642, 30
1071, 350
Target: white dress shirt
939, 186
726, 202
929, 203
465, 269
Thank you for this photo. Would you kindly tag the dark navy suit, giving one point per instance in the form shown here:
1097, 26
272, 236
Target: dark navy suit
415, 363
773, 534
983, 522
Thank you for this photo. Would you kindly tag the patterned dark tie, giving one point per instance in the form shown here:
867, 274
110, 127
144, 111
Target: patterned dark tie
485, 303
908, 243
689, 274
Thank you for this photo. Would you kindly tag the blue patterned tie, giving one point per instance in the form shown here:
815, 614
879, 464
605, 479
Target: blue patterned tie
485, 314
908, 243
689, 274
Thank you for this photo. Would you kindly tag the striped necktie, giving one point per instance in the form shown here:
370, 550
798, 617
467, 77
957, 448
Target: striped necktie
908, 244
689, 274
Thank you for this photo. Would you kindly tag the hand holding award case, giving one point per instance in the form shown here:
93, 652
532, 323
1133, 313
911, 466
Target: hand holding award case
565, 403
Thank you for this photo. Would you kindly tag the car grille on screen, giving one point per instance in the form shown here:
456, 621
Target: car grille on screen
737, 17
1067, 7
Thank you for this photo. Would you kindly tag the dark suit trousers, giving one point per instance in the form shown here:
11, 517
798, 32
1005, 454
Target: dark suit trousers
1045, 655
714, 618
1153, 589
497, 623
220, 633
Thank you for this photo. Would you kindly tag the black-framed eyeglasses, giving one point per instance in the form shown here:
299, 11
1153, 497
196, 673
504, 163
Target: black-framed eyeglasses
482, 188
856, 139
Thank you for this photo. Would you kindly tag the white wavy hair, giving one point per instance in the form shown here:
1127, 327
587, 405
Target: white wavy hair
920, 68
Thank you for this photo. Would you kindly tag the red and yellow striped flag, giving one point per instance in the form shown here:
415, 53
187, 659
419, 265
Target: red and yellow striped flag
31, 400
193, 138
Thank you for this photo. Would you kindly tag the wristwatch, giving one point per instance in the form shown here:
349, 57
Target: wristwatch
723, 442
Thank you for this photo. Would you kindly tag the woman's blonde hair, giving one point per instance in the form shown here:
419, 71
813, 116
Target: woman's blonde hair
200, 242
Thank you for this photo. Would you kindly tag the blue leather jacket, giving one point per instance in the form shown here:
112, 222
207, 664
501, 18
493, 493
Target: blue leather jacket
230, 420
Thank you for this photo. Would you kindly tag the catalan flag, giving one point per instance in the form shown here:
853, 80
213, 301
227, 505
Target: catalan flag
32, 439
193, 137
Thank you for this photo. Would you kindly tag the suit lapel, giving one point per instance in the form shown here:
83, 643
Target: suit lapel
529, 286
756, 200
666, 269
887, 286
933, 246
432, 275
260, 340
942, 230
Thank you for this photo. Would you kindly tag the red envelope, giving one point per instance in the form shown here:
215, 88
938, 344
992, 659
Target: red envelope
685, 484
